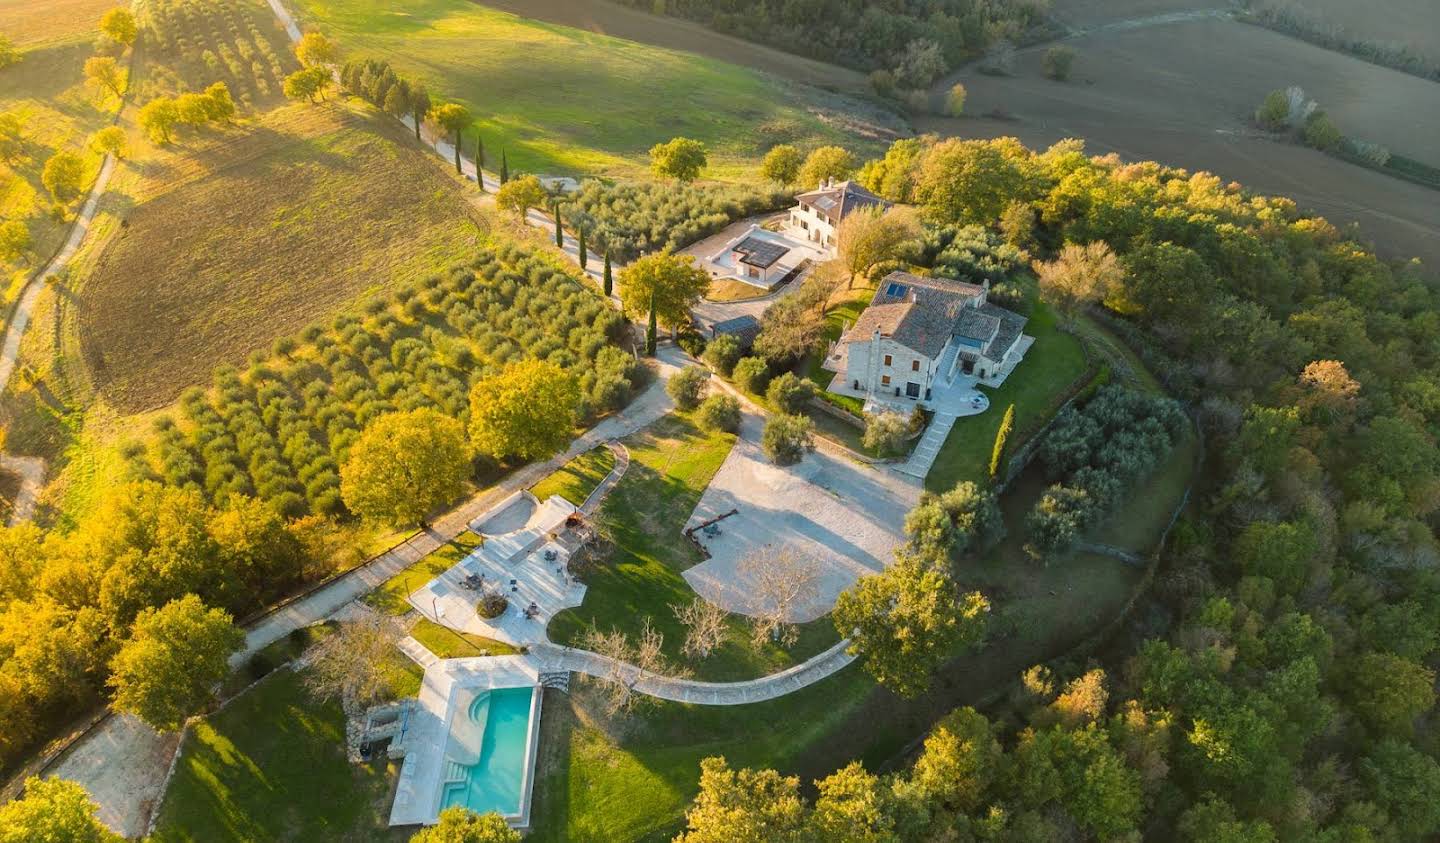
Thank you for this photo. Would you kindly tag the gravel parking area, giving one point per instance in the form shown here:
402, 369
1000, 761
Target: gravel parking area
846, 516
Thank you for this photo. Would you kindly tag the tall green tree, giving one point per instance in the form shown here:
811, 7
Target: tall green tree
669, 284
520, 195
580, 245
744, 806
175, 655
453, 118
14, 240
1007, 425
960, 761
106, 72
907, 620
459, 825
825, 164
651, 328
608, 280
404, 465
480, 161
420, 106
64, 176
871, 237
504, 167
119, 25
53, 810
315, 49
781, 165
528, 411
680, 159
559, 226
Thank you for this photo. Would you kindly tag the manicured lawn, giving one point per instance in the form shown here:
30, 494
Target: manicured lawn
671, 463
728, 289
448, 643
390, 597
272, 766
577, 478
274, 655
558, 99
1037, 387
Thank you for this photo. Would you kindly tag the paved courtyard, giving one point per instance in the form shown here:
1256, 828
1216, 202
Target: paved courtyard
845, 516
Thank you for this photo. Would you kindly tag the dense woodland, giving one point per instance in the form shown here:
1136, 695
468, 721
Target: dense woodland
1288, 693
862, 35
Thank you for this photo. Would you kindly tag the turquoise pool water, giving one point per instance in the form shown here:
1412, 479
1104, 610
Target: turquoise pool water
500, 720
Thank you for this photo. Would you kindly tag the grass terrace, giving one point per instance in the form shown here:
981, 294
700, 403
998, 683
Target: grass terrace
575, 480
390, 597
448, 643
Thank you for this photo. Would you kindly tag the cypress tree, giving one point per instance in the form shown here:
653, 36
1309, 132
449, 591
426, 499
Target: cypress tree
504, 167
480, 161
1007, 424
580, 236
459, 136
609, 284
559, 231
650, 330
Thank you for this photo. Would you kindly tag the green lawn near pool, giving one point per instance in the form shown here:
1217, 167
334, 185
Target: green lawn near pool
448, 643
390, 597
272, 766
1037, 387
671, 463
575, 480
563, 100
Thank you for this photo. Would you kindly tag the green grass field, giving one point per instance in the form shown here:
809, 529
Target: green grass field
390, 597
448, 643
272, 766
563, 100
577, 478
671, 463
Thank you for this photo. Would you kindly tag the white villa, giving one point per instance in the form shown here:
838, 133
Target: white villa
817, 214
923, 340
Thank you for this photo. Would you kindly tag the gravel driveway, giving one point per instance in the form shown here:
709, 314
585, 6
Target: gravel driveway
846, 516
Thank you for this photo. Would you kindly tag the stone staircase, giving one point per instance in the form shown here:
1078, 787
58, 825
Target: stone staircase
928, 448
952, 350
557, 679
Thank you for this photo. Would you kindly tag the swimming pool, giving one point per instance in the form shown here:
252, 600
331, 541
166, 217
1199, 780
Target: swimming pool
486, 754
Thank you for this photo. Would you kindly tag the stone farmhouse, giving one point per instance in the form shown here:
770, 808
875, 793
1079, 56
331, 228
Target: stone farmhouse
926, 342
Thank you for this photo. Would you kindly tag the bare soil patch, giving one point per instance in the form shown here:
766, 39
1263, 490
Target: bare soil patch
253, 236
1414, 23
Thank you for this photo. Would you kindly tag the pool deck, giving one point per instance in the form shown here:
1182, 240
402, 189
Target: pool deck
418, 792
516, 562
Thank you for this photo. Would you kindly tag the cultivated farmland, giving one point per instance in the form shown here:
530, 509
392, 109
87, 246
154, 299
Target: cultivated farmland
284, 221
32, 22
189, 44
561, 100
1183, 93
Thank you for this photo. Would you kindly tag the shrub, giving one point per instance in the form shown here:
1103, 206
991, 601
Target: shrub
492, 605
1274, 112
722, 354
885, 433
720, 413
687, 387
632, 218
787, 439
751, 374
789, 394
1321, 132
955, 100
1057, 63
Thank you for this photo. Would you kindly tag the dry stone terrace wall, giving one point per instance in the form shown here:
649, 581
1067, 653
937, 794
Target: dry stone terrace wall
281, 429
